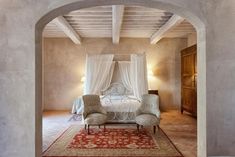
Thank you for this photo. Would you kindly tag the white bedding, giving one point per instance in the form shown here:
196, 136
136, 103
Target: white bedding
120, 104
119, 108
111, 104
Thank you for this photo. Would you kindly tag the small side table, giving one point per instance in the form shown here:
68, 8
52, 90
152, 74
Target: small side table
153, 92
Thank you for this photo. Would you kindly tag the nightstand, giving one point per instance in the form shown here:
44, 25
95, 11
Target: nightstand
153, 92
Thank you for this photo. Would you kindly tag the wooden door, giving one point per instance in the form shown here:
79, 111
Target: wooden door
188, 80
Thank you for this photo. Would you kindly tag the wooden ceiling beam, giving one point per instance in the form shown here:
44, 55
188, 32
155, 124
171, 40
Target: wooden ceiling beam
117, 18
63, 24
171, 23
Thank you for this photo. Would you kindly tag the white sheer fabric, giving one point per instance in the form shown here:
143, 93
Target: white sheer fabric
109, 78
138, 70
124, 69
97, 72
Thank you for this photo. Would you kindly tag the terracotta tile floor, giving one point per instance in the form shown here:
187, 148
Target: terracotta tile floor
181, 129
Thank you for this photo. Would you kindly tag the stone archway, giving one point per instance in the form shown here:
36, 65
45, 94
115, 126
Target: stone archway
64, 7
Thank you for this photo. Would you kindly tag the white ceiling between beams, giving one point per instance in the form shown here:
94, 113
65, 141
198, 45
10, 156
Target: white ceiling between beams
137, 22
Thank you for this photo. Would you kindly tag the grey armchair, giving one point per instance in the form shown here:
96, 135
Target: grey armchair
148, 114
94, 113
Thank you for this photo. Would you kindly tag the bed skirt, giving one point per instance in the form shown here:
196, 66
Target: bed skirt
121, 117
113, 117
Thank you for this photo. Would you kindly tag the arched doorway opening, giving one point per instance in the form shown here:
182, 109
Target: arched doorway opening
201, 57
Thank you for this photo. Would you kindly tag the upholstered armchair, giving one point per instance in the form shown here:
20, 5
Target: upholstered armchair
148, 114
94, 113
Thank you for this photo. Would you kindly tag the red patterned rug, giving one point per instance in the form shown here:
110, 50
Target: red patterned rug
115, 141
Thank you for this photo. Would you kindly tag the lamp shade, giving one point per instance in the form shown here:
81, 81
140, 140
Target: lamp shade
83, 79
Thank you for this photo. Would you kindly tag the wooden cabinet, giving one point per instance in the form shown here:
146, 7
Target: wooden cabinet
189, 80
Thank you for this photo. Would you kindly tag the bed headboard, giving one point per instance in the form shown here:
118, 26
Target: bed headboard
115, 89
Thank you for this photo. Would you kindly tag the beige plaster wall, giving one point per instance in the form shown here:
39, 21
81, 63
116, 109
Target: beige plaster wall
43, 75
20, 103
64, 65
192, 39
220, 78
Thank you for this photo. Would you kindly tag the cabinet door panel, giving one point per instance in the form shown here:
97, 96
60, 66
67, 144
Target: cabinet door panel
189, 79
195, 104
188, 99
188, 65
195, 63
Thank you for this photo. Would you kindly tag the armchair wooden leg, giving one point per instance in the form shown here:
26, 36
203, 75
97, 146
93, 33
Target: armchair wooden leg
99, 126
85, 127
88, 127
104, 128
138, 127
154, 129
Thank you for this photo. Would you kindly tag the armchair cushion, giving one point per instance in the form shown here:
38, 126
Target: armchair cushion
147, 120
95, 119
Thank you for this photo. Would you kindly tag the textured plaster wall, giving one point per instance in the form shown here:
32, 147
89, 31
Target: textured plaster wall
64, 66
220, 78
18, 132
17, 80
43, 53
192, 39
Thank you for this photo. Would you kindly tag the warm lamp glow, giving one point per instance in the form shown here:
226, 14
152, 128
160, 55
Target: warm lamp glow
150, 72
150, 75
83, 79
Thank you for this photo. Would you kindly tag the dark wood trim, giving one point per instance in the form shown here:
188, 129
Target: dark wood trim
189, 50
151, 91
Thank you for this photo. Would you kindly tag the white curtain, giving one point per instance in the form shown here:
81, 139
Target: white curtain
138, 70
109, 77
124, 69
98, 68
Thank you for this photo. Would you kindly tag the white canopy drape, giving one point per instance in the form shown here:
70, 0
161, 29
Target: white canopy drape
138, 70
109, 78
98, 72
124, 69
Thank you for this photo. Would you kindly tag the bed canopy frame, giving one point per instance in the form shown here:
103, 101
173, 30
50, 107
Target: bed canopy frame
120, 99
100, 68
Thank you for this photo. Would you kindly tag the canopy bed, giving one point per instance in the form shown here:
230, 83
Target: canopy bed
120, 99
